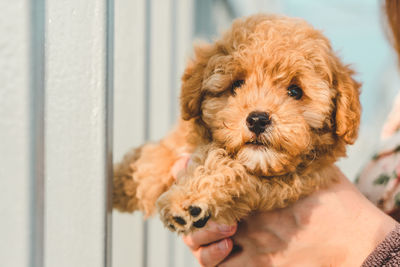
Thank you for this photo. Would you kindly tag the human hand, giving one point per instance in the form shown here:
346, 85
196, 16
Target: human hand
332, 227
212, 244
336, 226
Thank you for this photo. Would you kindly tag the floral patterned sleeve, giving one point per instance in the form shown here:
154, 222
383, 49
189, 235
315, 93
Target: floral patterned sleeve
379, 181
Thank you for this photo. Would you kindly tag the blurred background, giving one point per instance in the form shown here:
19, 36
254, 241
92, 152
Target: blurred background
153, 40
83, 82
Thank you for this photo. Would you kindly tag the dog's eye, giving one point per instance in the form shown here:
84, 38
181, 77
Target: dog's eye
236, 84
295, 91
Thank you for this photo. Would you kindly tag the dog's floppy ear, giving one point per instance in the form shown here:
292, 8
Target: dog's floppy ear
348, 108
192, 81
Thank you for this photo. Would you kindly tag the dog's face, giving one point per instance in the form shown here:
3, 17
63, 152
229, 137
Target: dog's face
273, 94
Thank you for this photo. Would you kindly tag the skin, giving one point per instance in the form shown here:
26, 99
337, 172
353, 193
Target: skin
332, 227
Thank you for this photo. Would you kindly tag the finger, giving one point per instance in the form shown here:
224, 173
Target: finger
215, 253
213, 232
179, 165
235, 261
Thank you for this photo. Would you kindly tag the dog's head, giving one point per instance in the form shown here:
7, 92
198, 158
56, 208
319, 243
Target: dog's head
272, 93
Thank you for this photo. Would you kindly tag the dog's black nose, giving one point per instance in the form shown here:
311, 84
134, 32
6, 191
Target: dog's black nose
257, 121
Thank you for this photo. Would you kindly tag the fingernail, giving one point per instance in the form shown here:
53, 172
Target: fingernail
223, 245
226, 228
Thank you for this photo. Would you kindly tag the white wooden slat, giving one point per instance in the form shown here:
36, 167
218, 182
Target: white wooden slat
166, 59
183, 45
129, 77
127, 245
77, 133
160, 101
169, 48
174, 33
18, 150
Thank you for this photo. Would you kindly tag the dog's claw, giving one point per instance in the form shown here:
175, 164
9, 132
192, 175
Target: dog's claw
200, 223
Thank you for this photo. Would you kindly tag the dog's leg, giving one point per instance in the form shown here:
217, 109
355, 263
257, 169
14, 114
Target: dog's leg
124, 187
219, 188
144, 174
214, 187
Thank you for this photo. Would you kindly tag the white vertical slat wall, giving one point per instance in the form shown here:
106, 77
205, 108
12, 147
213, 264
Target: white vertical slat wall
55, 132
129, 98
152, 43
21, 133
78, 159
59, 62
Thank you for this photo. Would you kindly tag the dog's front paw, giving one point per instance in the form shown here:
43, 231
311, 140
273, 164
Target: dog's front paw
181, 213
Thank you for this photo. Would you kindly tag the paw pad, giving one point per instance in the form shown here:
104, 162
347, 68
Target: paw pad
200, 223
194, 211
179, 220
186, 218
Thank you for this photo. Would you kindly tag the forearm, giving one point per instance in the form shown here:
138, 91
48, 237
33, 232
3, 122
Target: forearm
336, 226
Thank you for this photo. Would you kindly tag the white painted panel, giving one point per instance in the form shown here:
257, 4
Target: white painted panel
129, 75
168, 30
171, 34
160, 58
158, 252
127, 250
183, 45
15, 144
77, 136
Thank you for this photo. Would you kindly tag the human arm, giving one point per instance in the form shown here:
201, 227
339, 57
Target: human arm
335, 225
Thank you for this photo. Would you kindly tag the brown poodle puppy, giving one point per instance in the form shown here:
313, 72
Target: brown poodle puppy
266, 111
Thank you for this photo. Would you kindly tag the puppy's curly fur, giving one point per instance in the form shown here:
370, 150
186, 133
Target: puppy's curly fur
235, 169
